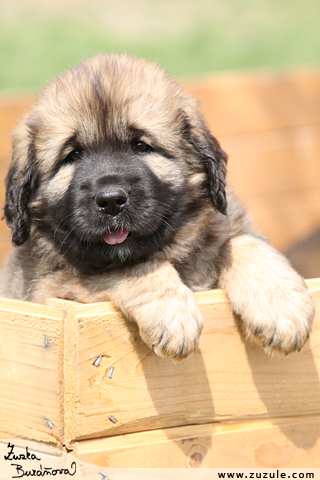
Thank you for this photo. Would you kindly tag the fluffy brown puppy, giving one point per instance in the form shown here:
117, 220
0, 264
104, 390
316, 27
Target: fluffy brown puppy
117, 192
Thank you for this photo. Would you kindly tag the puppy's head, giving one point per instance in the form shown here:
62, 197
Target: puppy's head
111, 161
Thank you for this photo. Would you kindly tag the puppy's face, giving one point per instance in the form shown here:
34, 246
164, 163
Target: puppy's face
111, 162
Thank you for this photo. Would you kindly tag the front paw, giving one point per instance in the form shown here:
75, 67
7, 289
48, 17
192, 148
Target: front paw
285, 328
280, 317
271, 298
172, 324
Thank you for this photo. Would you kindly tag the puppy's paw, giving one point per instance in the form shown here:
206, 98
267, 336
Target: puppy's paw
269, 295
284, 322
171, 325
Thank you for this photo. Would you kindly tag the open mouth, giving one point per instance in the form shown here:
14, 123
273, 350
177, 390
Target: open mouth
115, 236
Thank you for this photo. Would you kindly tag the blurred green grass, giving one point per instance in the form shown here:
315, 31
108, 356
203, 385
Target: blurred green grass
40, 39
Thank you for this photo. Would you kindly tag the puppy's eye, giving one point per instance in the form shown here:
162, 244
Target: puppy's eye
73, 156
142, 147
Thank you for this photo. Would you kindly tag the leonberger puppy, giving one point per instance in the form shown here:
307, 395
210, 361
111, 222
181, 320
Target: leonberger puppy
117, 191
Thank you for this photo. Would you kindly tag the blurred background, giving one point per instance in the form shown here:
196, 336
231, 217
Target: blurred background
40, 38
254, 65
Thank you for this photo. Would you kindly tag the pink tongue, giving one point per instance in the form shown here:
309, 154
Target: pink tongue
115, 236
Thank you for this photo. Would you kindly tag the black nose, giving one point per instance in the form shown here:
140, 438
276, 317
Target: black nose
113, 201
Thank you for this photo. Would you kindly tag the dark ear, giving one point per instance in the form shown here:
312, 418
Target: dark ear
20, 183
215, 162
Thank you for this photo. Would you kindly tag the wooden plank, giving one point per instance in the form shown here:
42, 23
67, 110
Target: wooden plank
21, 307
30, 384
277, 161
277, 175
286, 218
226, 378
274, 443
70, 376
145, 392
243, 103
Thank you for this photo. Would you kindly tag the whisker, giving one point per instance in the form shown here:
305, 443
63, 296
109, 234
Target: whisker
64, 218
64, 240
169, 208
162, 219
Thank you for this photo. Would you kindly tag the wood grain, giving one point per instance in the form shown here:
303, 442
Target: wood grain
226, 378
268, 443
70, 374
29, 382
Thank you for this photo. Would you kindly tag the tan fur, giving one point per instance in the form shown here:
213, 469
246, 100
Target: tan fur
272, 315
58, 186
100, 101
163, 168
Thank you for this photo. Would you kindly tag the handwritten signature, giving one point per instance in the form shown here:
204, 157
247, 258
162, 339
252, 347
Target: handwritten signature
40, 471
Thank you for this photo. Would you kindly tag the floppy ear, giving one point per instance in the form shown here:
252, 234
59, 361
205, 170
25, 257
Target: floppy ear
215, 162
20, 183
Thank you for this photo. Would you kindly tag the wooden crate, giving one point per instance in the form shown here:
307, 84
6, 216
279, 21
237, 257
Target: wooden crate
229, 404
